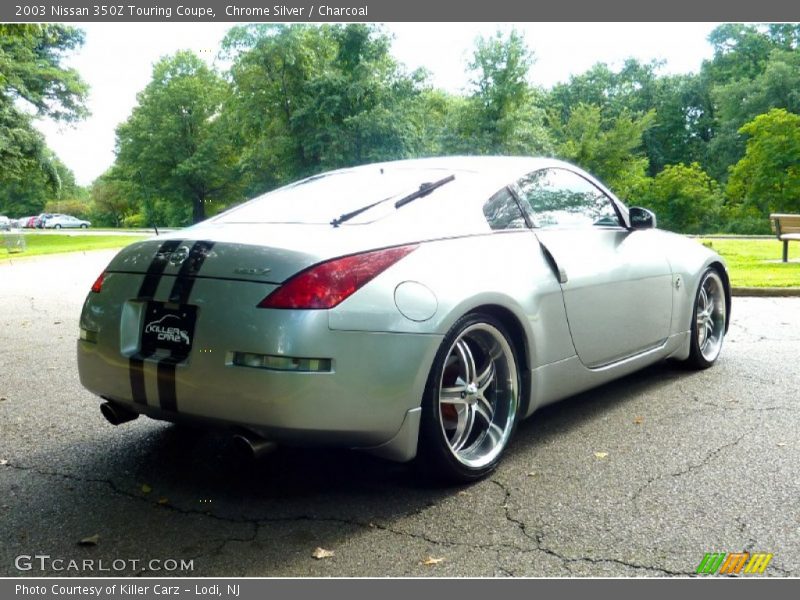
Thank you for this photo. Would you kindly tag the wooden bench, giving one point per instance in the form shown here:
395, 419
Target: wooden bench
786, 228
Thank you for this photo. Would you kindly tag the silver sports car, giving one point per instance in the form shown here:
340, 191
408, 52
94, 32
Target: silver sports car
413, 309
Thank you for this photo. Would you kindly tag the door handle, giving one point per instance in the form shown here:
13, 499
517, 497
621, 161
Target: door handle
559, 272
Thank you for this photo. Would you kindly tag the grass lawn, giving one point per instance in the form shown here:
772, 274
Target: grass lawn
54, 243
757, 263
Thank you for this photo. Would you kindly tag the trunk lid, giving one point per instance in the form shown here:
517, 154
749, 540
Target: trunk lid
264, 253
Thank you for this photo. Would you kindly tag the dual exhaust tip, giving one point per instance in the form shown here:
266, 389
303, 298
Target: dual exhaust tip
247, 444
116, 414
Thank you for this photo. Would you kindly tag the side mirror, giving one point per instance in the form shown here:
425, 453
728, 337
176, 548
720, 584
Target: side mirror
641, 218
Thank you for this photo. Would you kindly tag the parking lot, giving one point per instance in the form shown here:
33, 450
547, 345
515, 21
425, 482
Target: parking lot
641, 477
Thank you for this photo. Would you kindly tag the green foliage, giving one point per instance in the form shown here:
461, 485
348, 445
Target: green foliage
610, 148
504, 114
31, 76
173, 146
29, 195
112, 199
767, 178
685, 199
299, 99
308, 98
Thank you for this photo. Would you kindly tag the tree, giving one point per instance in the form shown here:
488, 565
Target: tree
357, 109
308, 98
504, 114
609, 148
112, 199
174, 146
33, 193
777, 85
685, 199
31, 75
767, 178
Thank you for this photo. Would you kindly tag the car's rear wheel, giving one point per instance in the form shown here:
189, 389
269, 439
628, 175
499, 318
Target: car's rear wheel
471, 401
58, 226
83, 226
709, 321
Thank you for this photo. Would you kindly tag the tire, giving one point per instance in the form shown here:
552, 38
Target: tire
84, 226
709, 321
57, 226
471, 402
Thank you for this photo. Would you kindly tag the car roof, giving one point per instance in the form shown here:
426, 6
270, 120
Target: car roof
499, 167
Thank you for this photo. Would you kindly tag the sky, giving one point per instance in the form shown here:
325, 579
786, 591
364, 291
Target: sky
117, 58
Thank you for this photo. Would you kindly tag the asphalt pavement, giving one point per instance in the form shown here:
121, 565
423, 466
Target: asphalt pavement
641, 477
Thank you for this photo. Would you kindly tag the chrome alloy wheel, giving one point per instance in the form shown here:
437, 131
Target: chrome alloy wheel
710, 316
478, 395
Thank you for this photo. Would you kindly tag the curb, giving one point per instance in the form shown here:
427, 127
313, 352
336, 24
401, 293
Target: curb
766, 292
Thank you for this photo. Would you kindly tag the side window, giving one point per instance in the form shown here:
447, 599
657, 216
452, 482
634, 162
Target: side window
503, 212
561, 198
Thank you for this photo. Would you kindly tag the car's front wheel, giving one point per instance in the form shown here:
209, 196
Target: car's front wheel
57, 226
709, 321
471, 401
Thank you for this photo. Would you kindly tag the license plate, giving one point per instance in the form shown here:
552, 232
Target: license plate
168, 327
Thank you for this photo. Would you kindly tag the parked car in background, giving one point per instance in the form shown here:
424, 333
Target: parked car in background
5, 223
65, 221
42, 219
29, 222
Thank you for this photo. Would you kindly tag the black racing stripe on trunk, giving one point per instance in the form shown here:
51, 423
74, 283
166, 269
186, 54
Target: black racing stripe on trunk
181, 290
152, 276
188, 271
147, 291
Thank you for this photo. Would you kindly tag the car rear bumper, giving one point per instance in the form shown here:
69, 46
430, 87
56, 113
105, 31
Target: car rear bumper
374, 380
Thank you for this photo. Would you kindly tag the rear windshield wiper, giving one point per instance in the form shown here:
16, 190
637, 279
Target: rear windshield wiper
424, 189
353, 213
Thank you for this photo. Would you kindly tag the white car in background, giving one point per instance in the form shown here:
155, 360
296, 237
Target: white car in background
65, 221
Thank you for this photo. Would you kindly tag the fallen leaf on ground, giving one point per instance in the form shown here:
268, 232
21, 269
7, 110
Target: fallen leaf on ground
90, 541
532, 474
638, 420
780, 444
432, 561
3, 462
600, 455
3, 399
163, 501
320, 553
146, 489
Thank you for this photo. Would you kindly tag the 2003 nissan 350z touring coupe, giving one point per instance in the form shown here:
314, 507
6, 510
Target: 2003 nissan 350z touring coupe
416, 308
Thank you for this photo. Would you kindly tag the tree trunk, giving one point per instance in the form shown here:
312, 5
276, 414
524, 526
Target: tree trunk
198, 209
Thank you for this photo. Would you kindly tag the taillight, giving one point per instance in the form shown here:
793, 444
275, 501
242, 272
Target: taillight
97, 286
327, 284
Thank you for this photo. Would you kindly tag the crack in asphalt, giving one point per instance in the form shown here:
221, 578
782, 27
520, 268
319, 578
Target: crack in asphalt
538, 540
259, 522
537, 537
710, 456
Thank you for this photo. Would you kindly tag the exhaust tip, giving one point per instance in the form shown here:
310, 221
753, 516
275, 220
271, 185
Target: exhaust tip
116, 414
252, 447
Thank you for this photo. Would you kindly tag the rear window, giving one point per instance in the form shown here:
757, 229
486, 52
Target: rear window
320, 199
